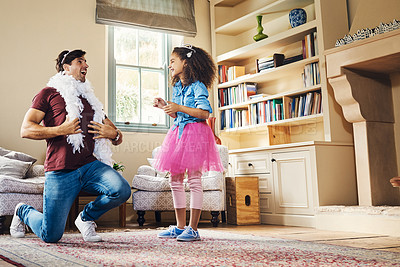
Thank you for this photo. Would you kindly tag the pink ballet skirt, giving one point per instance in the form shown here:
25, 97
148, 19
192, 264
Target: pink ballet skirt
194, 151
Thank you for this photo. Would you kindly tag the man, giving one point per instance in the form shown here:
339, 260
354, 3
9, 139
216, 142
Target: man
78, 156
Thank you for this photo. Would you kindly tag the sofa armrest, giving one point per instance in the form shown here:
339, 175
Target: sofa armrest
35, 171
146, 170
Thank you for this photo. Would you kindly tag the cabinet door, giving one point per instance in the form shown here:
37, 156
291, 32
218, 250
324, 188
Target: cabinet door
292, 182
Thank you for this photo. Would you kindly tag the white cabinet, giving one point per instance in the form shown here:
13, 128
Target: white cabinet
293, 182
294, 179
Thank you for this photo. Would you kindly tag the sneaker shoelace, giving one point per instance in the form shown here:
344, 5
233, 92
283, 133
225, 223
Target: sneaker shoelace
20, 227
90, 228
192, 232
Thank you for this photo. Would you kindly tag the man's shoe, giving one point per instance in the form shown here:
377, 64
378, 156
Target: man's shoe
189, 235
172, 232
87, 229
17, 228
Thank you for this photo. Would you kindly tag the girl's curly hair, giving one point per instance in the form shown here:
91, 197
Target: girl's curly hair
199, 66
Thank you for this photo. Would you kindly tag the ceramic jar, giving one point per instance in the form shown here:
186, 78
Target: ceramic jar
297, 17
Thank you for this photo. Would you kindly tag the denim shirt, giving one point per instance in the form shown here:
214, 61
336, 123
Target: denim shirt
194, 95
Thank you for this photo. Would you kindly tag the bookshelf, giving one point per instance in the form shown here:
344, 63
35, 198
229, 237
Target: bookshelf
299, 157
233, 24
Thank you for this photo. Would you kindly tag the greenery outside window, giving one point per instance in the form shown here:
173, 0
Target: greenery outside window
138, 72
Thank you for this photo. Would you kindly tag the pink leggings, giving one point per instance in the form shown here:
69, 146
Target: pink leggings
178, 191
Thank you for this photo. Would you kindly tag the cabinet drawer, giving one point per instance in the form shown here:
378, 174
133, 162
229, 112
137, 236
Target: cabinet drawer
265, 182
252, 163
266, 203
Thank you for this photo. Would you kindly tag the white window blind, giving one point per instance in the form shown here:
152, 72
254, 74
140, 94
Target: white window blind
171, 16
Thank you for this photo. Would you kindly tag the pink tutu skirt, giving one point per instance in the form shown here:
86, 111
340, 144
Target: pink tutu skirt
196, 150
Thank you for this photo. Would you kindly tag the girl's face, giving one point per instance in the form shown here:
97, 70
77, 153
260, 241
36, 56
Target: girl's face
176, 66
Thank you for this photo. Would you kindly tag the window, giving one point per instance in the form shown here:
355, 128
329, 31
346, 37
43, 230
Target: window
138, 72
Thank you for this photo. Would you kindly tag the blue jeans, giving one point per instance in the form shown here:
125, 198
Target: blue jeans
60, 190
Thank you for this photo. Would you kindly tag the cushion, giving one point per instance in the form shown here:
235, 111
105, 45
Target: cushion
159, 173
20, 156
24, 186
150, 183
14, 168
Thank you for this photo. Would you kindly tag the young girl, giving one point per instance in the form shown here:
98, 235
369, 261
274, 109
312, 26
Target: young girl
189, 146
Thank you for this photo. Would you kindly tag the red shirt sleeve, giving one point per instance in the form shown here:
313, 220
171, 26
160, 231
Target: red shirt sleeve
41, 100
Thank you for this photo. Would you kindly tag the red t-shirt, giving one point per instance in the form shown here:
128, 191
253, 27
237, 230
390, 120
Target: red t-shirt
59, 154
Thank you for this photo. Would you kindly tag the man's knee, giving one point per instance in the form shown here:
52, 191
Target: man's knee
125, 193
51, 238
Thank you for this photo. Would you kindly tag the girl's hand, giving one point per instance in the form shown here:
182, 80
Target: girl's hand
158, 102
172, 108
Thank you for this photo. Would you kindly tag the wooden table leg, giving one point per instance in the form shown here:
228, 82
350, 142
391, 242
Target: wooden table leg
122, 215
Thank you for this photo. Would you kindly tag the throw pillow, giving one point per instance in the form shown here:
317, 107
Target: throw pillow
4, 151
14, 168
159, 173
20, 156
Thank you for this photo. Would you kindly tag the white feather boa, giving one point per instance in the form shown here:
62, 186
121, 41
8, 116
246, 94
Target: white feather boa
70, 89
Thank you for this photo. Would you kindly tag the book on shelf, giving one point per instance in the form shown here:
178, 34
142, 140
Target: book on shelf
229, 73
292, 59
310, 45
273, 61
236, 94
250, 89
257, 96
234, 118
311, 75
305, 104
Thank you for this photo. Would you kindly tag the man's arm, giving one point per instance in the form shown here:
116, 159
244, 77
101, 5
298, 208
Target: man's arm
106, 130
32, 129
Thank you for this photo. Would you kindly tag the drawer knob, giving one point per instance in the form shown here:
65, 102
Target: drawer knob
229, 164
250, 164
273, 160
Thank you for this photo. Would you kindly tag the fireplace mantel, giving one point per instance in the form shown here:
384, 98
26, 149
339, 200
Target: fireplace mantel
360, 76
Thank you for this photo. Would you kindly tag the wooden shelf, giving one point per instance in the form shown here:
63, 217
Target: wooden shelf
310, 119
271, 74
249, 22
268, 46
228, 3
261, 99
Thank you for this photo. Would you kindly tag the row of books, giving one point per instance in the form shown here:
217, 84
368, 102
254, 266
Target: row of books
310, 45
311, 74
236, 94
234, 118
229, 73
266, 111
304, 105
258, 113
272, 110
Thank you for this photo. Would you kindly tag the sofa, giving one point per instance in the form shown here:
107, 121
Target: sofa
20, 181
152, 191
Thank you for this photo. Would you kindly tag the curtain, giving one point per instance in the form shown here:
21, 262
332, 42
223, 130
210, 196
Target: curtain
172, 16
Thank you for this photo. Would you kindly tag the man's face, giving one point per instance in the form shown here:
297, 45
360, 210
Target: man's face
78, 68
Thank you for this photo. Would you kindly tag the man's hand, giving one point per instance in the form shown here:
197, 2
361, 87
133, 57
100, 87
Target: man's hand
70, 127
102, 130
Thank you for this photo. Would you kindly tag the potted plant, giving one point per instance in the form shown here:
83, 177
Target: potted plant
119, 167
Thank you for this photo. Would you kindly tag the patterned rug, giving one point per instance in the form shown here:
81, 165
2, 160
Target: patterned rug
217, 248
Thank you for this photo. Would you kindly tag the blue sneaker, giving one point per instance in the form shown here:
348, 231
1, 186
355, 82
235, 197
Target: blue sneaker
189, 235
172, 232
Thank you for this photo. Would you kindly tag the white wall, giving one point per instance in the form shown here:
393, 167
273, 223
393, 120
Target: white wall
32, 34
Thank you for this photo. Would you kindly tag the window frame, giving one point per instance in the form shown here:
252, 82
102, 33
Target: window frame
112, 105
